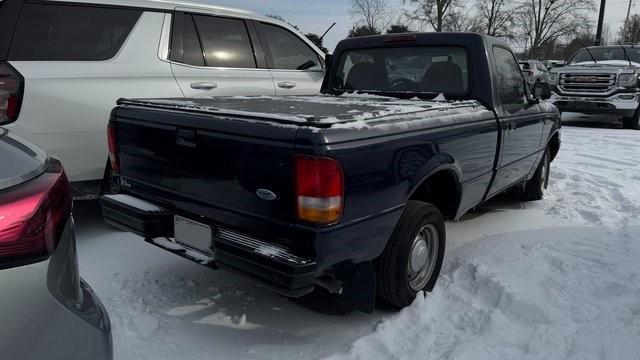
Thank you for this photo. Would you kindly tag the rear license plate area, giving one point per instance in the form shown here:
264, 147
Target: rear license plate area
193, 234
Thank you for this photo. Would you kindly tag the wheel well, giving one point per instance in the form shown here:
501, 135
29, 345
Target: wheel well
441, 190
554, 145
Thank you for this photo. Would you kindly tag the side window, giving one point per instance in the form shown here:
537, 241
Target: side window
287, 50
509, 80
225, 42
191, 50
56, 32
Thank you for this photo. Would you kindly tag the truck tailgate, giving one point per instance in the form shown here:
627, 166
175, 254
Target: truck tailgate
208, 161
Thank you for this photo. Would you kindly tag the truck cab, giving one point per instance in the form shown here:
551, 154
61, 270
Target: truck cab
599, 80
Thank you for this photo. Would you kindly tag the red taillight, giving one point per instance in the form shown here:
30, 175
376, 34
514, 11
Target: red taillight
33, 216
10, 94
319, 189
113, 148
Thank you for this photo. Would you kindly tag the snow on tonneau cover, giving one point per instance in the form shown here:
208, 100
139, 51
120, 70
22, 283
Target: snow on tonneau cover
352, 111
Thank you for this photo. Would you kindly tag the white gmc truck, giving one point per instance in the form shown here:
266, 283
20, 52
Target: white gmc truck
600, 79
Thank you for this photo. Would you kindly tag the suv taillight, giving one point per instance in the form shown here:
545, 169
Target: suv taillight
11, 84
113, 148
319, 189
33, 216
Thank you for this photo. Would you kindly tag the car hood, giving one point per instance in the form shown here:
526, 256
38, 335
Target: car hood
20, 161
608, 67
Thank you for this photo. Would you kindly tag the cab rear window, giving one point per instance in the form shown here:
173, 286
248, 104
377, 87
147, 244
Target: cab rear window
405, 70
55, 32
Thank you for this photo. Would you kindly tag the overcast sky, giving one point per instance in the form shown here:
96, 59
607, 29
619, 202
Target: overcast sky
316, 15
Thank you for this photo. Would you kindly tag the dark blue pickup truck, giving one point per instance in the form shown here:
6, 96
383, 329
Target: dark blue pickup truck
348, 190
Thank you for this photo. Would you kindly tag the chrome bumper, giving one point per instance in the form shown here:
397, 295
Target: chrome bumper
624, 104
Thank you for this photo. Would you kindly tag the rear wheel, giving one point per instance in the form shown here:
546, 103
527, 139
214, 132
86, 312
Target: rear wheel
632, 122
412, 260
534, 189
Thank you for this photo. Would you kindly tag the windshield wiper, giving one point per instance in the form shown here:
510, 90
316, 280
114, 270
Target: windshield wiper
590, 54
625, 53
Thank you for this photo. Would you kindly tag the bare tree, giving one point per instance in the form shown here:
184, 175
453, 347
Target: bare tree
631, 32
496, 17
545, 22
432, 12
461, 20
372, 14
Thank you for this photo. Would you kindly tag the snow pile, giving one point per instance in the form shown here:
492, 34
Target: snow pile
562, 293
596, 178
567, 287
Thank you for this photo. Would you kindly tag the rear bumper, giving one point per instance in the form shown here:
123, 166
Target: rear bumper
272, 265
624, 104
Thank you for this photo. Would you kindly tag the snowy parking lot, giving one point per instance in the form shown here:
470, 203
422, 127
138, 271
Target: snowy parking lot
554, 279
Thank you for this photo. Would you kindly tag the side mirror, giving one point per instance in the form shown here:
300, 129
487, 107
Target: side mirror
541, 90
308, 65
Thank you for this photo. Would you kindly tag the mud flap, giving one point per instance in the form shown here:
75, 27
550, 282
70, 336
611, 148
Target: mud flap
359, 291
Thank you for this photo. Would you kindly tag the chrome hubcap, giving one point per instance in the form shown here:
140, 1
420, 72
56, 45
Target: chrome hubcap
418, 255
422, 259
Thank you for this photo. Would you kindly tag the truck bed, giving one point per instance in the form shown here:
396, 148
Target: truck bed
321, 111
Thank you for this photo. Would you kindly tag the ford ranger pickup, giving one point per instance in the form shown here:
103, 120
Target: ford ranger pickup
346, 191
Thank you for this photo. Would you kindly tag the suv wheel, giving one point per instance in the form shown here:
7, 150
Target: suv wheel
412, 260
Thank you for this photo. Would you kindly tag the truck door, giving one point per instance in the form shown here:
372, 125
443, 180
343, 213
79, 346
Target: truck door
215, 56
521, 124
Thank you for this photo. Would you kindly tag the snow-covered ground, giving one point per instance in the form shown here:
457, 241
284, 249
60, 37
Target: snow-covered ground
554, 279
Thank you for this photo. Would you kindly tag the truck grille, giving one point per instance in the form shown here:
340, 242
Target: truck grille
587, 83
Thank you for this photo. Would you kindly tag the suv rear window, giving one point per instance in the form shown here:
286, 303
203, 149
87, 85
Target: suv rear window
48, 32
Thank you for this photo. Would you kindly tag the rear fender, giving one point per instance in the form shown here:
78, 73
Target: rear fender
439, 163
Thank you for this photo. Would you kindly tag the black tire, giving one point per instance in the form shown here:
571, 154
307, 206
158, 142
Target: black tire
633, 122
393, 266
534, 189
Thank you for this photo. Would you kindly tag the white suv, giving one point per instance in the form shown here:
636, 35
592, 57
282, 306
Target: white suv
63, 65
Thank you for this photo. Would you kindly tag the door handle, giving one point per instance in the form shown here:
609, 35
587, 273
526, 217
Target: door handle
287, 84
204, 85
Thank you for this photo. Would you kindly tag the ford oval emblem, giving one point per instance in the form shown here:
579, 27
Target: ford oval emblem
265, 194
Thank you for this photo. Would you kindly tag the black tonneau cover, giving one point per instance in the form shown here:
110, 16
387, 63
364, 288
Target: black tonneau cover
316, 110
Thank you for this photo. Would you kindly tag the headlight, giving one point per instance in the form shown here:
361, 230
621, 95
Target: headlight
628, 80
552, 79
